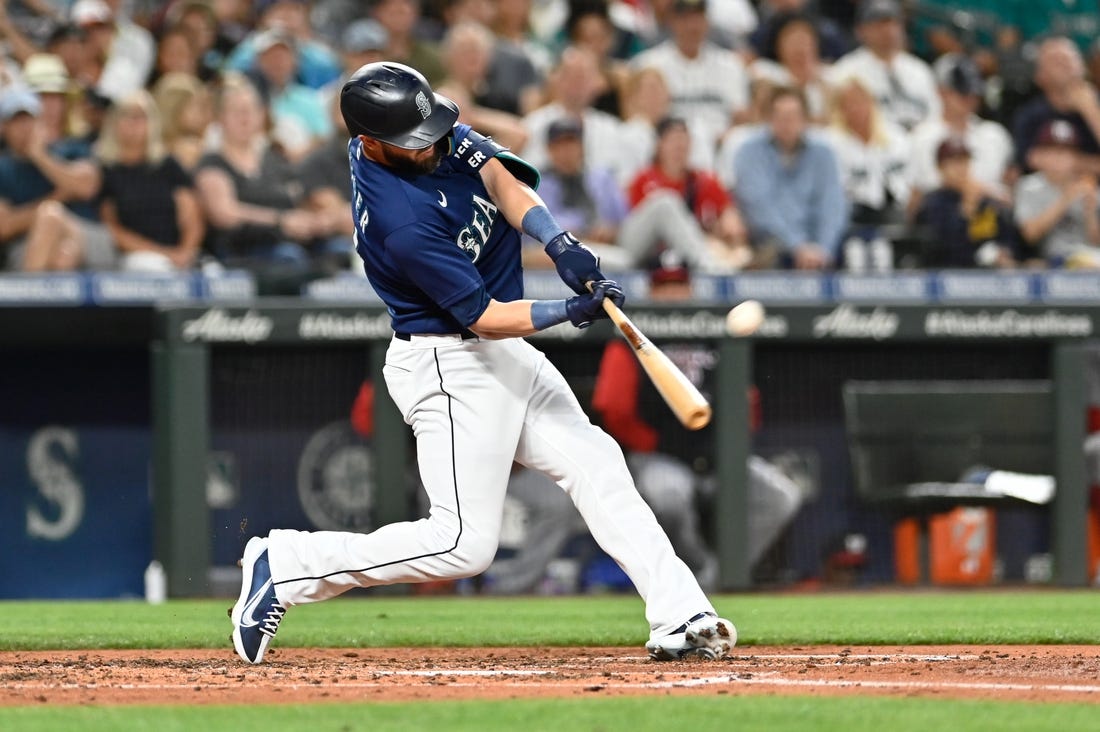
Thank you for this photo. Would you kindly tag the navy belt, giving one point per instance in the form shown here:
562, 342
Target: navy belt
466, 335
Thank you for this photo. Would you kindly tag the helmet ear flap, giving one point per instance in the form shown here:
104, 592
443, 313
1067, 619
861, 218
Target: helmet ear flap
445, 145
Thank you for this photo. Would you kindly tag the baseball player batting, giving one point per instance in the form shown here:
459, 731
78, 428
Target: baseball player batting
437, 210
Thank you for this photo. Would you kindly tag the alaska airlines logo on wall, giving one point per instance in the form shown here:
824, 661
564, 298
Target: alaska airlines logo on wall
217, 325
848, 321
336, 479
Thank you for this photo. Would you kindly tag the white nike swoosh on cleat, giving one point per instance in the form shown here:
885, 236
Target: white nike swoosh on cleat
247, 621
442, 198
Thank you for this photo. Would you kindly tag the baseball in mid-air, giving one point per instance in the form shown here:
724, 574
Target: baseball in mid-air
745, 318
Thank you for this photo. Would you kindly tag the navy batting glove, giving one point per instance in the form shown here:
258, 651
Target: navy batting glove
576, 264
586, 308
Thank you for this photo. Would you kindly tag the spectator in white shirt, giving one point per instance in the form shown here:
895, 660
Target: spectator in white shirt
792, 58
708, 83
873, 154
645, 103
903, 84
574, 84
961, 87
123, 52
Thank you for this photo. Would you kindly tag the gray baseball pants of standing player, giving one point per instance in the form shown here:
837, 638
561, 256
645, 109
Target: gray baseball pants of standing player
669, 487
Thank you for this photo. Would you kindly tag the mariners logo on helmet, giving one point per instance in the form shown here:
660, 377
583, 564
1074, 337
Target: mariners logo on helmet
422, 105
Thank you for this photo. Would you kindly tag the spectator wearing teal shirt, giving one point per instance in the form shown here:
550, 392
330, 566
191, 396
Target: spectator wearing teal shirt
299, 116
982, 19
317, 64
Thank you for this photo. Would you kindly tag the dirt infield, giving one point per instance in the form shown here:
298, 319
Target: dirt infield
1034, 673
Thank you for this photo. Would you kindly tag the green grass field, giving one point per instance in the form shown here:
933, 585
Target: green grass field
871, 618
876, 618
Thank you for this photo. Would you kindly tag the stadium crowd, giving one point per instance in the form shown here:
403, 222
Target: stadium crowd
864, 135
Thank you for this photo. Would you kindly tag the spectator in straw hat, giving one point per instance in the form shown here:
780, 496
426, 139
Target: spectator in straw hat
47, 76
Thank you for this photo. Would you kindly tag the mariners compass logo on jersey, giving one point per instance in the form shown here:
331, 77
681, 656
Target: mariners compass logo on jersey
475, 234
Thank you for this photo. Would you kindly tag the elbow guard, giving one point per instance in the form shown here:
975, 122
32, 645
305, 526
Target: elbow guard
476, 149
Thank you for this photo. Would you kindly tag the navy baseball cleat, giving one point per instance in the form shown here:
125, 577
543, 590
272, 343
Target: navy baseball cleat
705, 636
258, 612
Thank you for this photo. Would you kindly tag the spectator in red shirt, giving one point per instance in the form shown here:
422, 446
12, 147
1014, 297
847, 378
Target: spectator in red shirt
688, 209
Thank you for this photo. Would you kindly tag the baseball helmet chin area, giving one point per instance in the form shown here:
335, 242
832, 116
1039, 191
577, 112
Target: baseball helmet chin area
394, 103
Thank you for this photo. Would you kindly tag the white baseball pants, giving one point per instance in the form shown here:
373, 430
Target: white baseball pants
475, 406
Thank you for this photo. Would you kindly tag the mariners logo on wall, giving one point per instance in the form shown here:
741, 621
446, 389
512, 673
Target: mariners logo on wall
336, 479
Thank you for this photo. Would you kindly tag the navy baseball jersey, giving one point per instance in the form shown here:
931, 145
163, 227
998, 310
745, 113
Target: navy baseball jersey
435, 247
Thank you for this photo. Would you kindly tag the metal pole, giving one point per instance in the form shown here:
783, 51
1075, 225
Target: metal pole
181, 440
1070, 509
732, 448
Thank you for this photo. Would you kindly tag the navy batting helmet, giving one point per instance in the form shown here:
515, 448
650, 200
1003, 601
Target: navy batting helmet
393, 103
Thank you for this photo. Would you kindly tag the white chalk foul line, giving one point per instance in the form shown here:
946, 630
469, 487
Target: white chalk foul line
841, 683
875, 658
467, 672
882, 657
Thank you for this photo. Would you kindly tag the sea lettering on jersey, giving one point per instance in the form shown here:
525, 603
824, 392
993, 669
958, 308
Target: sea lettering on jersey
475, 234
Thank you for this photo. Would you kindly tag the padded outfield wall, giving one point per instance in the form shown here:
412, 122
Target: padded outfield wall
176, 429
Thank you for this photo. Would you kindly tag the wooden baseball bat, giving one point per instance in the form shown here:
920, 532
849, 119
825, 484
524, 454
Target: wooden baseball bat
685, 401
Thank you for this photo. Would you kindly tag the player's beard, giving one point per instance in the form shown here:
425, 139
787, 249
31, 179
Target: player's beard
409, 166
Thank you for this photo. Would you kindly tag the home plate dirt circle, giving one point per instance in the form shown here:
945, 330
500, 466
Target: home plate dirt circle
302, 675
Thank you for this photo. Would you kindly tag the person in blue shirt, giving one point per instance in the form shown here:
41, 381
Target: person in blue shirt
437, 210
318, 64
789, 187
48, 218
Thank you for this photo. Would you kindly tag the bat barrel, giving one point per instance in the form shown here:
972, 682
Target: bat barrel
697, 418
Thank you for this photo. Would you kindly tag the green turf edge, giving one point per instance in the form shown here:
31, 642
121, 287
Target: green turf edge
1044, 617
629, 714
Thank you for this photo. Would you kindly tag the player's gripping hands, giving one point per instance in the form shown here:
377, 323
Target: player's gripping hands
577, 265
580, 310
583, 309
